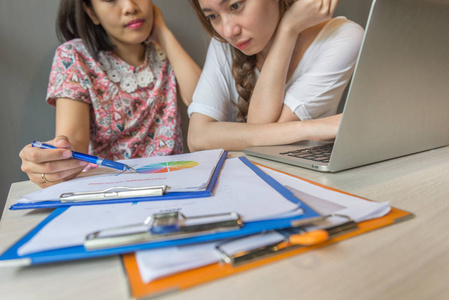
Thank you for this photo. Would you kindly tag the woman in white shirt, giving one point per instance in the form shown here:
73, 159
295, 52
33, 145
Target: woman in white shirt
274, 73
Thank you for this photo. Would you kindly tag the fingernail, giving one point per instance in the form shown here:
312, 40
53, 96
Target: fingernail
67, 154
61, 143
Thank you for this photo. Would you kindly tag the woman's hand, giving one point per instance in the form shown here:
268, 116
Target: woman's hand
324, 129
46, 167
159, 25
303, 14
187, 71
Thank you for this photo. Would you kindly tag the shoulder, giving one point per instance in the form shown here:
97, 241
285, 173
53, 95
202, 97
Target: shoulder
73, 47
219, 52
339, 38
73, 55
342, 28
75, 52
218, 46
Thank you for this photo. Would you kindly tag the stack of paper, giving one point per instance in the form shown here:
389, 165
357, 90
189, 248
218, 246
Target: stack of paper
264, 203
238, 189
154, 264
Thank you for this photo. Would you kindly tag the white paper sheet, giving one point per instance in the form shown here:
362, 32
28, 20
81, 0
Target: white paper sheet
176, 259
181, 173
157, 264
238, 189
313, 195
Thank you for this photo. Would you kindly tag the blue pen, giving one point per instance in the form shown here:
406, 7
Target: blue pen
89, 158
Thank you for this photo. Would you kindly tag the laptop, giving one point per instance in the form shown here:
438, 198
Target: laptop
398, 99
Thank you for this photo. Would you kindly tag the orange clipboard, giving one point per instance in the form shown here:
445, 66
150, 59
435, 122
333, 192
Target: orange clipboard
204, 274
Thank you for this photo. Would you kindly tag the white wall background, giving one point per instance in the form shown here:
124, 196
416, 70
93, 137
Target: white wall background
27, 45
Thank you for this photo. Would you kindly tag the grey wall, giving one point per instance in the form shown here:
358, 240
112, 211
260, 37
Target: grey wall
28, 41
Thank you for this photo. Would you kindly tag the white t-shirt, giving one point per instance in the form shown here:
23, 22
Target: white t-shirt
313, 91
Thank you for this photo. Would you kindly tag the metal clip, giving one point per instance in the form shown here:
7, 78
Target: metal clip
114, 193
161, 227
282, 242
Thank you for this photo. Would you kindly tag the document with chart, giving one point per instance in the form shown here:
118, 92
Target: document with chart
177, 176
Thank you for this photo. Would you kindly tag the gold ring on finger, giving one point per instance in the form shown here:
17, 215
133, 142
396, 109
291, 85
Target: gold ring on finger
44, 180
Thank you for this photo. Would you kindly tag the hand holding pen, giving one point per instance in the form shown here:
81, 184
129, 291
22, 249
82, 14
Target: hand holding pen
88, 158
48, 167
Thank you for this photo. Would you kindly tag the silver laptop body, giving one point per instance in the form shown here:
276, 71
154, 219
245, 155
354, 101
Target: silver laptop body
398, 100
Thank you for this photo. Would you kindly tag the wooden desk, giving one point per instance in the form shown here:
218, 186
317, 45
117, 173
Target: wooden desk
405, 261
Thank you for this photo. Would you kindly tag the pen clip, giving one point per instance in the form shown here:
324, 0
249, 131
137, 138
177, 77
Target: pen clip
114, 193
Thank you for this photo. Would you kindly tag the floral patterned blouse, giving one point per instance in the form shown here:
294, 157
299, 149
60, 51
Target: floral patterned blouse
133, 110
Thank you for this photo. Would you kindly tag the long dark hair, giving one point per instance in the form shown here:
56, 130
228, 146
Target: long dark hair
73, 22
243, 66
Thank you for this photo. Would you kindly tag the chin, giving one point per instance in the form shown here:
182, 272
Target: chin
139, 39
251, 50
248, 53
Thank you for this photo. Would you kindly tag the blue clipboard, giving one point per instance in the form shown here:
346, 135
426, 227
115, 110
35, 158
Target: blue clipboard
11, 257
167, 196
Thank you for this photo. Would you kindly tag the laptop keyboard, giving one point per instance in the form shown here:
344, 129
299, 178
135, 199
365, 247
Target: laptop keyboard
318, 153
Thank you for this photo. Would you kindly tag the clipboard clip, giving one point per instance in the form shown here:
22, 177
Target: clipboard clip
163, 227
114, 193
290, 239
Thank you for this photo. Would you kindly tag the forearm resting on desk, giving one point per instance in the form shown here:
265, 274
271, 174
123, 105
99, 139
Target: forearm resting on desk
207, 133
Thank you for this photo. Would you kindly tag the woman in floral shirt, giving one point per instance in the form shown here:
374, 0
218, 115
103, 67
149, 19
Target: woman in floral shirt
114, 83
